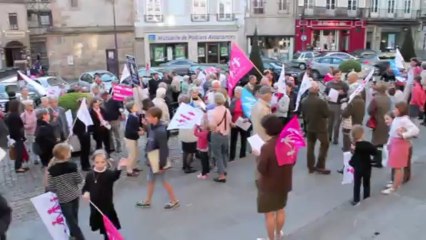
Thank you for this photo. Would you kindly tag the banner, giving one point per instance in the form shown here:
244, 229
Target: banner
186, 117
306, 84
361, 87
111, 230
121, 92
133, 69
47, 206
33, 83
210, 70
348, 171
239, 65
288, 144
248, 101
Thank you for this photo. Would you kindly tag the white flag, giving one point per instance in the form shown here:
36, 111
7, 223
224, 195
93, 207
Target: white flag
83, 114
186, 117
50, 212
2, 154
125, 73
304, 86
361, 87
399, 60
33, 84
202, 77
348, 171
282, 86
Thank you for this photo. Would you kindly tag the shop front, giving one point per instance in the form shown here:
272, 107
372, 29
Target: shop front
330, 35
198, 47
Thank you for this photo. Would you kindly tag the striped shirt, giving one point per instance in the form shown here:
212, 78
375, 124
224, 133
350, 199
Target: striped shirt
64, 179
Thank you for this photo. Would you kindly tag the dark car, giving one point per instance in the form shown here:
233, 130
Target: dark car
364, 53
276, 67
180, 66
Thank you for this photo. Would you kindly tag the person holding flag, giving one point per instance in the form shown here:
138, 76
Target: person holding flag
82, 130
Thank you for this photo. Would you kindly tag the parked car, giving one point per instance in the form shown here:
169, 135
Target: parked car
145, 75
12, 86
321, 66
276, 67
300, 59
180, 66
52, 81
341, 55
88, 77
364, 53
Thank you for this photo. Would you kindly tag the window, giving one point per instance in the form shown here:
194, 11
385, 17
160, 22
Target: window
258, 7
391, 6
407, 6
74, 3
325, 60
337, 61
352, 5
225, 10
153, 11
374, 5
331, 4
282, 5
13, 21
45, 19
309, 3
199, 10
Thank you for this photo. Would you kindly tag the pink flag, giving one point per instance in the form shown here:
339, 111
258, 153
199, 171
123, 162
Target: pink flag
239, 65
111, 231
288, 144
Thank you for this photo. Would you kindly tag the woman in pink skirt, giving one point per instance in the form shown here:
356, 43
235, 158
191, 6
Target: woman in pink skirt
401, 130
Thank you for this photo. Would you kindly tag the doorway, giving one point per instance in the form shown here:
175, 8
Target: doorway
13, 52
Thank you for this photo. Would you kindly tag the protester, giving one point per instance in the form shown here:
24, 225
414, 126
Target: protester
133, 130
401, 130
113, 114
210, 95
29, 119
58, 119
275, 181
388, 75
261, 109
63, 179
236, 109
378, 107
97, 83
283, 107
176, 85
83, 134
44, 103
98, 189
251, 85
44, 136
395, 95
202, 132
316, 113
220, 122
189, 142
361, 162
413, 71
196, 99
335, 107
153, 85
159, 101
4, 132
157, 140
101, 127
352, 114
418, 100
185, 86
16, 133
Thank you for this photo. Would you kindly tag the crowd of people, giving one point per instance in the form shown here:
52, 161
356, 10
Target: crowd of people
38, 135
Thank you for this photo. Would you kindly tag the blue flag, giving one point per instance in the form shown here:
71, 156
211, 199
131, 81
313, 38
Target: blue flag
395, 70
248, 101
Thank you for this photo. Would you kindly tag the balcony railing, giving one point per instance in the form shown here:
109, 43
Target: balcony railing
200, 17
154, 18
322, 12
225, 17
396, 14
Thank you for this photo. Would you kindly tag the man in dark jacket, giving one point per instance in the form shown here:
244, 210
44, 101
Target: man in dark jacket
113, 110
153, 85
316, 113
44, 136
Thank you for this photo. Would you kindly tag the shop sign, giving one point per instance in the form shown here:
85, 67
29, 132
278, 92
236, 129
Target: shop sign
332, 23
180, 37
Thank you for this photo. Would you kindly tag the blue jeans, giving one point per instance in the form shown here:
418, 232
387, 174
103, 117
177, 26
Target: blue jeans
220, 151
70, 212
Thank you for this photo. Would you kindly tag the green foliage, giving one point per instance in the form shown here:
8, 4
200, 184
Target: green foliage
349, 66
407, 49
255, 56
71, 100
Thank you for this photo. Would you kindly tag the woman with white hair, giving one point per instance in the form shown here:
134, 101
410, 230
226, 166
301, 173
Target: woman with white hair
220, 121
196, 99
160, 102
236, 109
30, 124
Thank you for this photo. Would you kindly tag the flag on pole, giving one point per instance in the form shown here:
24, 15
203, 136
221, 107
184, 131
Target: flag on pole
33, 83
125, 73
239, 65
282, 87
248, 101
111, 230
288, 143
399, 60
348, 170
83, 114
361, 87
306, 84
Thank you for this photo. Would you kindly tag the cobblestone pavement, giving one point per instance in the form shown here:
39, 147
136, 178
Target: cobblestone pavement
19, 188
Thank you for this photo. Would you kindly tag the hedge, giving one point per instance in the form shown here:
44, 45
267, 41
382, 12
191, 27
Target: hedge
71, 100
349, 66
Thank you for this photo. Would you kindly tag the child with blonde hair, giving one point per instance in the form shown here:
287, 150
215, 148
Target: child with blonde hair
202, 133
63, 179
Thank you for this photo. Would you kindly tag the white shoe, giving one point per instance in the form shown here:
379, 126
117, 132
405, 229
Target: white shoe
279, 236
388, 191
389, 185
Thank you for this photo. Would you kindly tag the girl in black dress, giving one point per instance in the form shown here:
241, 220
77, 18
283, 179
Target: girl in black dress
98, 188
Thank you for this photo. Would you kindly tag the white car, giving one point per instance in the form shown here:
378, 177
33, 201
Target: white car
86, 79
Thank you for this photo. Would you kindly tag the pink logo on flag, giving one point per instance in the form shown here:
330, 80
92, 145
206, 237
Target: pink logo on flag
210, 70
111, 230
288, 144
120, 92
239, 65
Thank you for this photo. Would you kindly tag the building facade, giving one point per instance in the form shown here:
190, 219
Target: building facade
14, 37
274, 22
330, 25
389, 21
199, 30
77, 35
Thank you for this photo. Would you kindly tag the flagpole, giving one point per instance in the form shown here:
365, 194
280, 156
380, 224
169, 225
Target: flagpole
257, 69
96, 207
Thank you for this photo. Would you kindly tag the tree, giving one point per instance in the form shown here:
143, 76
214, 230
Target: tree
255, 56
407, 49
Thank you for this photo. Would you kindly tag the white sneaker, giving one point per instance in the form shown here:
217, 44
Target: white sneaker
389, 185
279, 236
388, 191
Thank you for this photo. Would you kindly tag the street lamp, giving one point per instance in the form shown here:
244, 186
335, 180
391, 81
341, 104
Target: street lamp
115, 38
